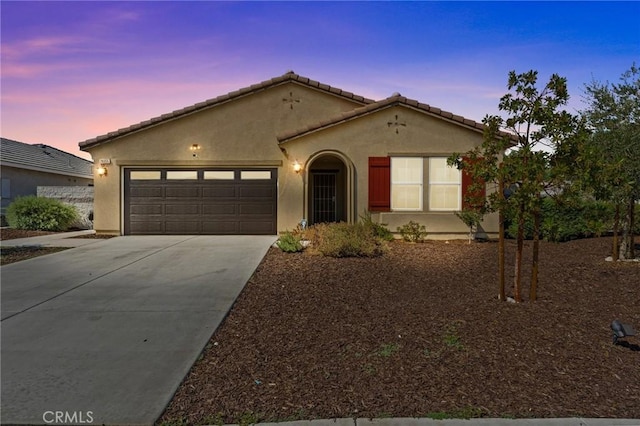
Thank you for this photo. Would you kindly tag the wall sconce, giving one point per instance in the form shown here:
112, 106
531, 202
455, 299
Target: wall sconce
102, 171
194, 148
297, 167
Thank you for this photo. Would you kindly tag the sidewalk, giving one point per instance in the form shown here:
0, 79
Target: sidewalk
62, 239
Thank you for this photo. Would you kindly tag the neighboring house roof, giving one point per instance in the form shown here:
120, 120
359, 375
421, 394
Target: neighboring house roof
43, 158
286, 78
394, 100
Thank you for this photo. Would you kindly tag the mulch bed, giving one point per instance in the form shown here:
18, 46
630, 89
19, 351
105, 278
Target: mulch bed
420, 332
16, 254
12, 234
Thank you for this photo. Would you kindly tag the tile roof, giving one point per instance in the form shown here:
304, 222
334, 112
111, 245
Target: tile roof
290, 76
394, 100
43, 158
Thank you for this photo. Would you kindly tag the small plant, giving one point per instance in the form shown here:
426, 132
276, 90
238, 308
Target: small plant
290, 243
348, 240
216, 420
40, 214
471, 218
248, 418
369, 369
451, 338
413, 232
380, 230
386, 351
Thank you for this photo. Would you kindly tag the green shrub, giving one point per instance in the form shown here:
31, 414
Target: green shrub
40, 214
412, 232
567, 221
380, 230
290, 243
348, 240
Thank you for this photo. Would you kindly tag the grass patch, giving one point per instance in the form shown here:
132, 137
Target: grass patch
386, 351
462, 413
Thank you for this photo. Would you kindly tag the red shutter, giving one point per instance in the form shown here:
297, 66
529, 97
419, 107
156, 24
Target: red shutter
470, 199
379, 184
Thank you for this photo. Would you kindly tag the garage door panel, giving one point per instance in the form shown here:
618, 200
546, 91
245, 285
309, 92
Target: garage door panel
219, 191
206, 205
182, 209
219, 209
147, 192
150, 227
182, 227
256, 209
182, 192
220, 227
252, 192
146, 209
265, 227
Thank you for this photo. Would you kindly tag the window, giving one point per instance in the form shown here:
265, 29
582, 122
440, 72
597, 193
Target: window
444, 186
182, 175
406, 183
145, 175
5, 191
219, 175
255, 175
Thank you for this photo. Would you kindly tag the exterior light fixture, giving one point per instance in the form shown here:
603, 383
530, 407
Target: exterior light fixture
297, 167
194, 147
102, 171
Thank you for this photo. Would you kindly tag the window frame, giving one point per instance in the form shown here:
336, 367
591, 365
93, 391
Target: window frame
419, 184
435, 183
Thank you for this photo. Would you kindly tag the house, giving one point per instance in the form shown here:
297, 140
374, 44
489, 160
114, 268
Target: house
24, 167
261, 159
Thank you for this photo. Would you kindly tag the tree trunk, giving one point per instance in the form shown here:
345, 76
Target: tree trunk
630, 219
616, 231
501, 294
632, 222
517, 280
626, 248
533, 290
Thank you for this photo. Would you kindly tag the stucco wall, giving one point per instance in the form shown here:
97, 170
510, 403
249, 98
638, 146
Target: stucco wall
237, 133
421, 136
25, 182
243, 133
81, 197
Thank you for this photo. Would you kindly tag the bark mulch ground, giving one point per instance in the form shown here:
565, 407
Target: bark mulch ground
16, 254
12, 234
420, 332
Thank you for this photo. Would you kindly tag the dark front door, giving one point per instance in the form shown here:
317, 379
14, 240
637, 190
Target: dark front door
324, 197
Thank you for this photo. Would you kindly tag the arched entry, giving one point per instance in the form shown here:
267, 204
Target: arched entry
330, 190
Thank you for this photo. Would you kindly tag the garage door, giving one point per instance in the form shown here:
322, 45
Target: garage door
200, 201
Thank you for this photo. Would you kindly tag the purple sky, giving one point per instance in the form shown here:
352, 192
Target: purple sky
75, 70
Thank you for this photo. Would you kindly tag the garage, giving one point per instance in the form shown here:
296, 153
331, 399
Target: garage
203, 201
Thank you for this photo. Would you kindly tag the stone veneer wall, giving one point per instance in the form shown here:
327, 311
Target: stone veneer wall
79, 196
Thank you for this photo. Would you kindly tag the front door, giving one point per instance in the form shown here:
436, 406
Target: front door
324, 197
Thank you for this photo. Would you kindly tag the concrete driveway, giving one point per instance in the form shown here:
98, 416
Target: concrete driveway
105, 333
